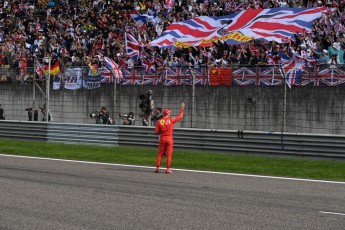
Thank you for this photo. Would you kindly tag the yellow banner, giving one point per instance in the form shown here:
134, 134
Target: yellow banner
42, 2
236, 36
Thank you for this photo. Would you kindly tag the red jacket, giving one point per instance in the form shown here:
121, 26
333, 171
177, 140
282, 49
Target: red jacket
165, 126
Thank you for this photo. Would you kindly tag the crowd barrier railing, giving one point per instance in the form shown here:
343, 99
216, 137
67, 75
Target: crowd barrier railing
260, 75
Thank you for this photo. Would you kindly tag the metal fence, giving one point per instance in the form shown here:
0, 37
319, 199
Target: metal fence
223, 141
251, 99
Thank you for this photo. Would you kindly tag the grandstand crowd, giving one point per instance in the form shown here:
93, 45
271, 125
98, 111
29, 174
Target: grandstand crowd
80, 32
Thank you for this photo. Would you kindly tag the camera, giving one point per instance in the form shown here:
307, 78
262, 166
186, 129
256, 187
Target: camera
95, 115
102, 117
98, 115
128, 119
123, 116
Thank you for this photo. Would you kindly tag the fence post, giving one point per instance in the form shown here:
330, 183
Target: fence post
33, 85
193, 97
47, 92
284, 107
115, 96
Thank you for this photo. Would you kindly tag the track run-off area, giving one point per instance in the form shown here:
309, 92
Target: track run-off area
40, 193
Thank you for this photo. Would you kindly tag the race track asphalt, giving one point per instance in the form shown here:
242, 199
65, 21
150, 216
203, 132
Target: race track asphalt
44, 194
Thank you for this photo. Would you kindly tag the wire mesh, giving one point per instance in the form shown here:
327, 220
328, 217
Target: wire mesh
255, 98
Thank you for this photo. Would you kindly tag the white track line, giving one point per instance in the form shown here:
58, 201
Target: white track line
333, 213
183, 170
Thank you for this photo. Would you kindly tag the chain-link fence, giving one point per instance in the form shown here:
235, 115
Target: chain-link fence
236, 98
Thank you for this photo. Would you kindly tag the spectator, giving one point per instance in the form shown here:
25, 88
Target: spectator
323, 57
128, 119
333, 61
145, 120
253, 59
262, 60
96, 28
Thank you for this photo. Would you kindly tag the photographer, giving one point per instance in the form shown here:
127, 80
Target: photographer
44, 111
128, 119
156, 116
32, 113
104, 117
145, 119
2, 113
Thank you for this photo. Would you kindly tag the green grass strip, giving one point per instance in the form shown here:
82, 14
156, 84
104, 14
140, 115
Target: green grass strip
287, 167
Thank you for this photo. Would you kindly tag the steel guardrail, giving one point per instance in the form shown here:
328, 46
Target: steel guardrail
23, 130
222, 141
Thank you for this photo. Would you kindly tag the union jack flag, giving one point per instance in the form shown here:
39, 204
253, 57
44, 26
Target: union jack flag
159, 62
228, 5
106, 75
131, 77
133, 46
317, 80
138, 76
308, 80
244, 81
169, 4
276, 24
39, 71
331, 77
293, 69
149, 64
184, 76
273, 59
141, 19
244, 76
110, 64
199, 73
269, 76
174, 76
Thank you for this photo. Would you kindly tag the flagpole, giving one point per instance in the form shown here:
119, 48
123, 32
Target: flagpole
274, 68
126, 42
47, 91
284, 112
115, 90
284, 108
193, 96
33, 85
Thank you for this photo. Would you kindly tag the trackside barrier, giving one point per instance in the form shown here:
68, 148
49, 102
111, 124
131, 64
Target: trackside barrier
71, 133
224, 141
22, 130
60, 132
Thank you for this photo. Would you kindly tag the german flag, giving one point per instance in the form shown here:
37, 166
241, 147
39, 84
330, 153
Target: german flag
54, 68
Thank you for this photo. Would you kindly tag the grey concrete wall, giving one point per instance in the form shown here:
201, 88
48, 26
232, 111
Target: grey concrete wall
308, 109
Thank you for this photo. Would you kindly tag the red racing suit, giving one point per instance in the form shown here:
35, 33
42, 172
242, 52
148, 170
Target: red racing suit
165, 127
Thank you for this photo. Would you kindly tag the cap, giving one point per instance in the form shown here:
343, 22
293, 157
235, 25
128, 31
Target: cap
166, 111
324, 51
302, 45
